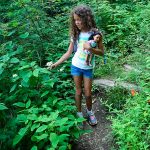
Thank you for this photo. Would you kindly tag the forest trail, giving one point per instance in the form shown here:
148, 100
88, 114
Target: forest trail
100, 138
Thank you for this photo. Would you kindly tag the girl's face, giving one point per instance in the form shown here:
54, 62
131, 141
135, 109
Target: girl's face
96, 38
78, 22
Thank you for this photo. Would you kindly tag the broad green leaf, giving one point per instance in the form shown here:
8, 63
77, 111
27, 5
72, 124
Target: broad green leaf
34, 126
28, 103
22, 131
55, 101
54, 139
23, 67
2, 106
5, 58
26, 1
9, 45
42, 128
17, 139
22, 117
36, 72
19, 49
26, 75
41, 137
62, 148
12, 32
19, 104
45, 93
63, 137
51, 149
44, 118
24, 83
25, 35
62, 121
14, 60
54, 115
34, 148
76, 134
64, 128
13, 88
81, 119
32, 117
20, 135
1, 68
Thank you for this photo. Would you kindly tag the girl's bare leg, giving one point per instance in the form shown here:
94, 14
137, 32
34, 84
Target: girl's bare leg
88, 92
78, 94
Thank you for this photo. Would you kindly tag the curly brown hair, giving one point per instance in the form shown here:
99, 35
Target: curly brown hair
85, 13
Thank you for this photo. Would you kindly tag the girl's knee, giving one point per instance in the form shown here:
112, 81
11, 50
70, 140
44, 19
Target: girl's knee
79, 92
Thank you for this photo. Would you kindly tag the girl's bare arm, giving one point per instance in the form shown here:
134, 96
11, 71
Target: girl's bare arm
97, 51
65, 56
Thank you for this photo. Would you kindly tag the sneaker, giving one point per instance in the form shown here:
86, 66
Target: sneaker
91, 118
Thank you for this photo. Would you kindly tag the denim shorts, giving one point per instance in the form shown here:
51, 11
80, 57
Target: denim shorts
87, 73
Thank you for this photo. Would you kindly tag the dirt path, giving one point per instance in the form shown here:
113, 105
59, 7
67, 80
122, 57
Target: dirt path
100, 138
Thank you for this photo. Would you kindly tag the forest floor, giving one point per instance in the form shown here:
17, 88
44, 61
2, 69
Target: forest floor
101, 137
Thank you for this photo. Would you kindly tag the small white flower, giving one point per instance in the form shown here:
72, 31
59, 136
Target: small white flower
49, 63
15, 75
62, 69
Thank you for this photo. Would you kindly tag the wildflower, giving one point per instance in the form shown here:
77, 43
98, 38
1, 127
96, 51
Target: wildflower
49, 63
15, 75
133, 92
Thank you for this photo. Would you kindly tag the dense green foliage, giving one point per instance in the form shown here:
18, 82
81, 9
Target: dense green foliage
36, 108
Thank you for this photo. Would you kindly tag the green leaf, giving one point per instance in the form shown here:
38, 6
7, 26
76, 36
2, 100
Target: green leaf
14, 60
25, 35
28, 104
62, 121
20, 135
34, 148
54, 139
24, 83
22, 131
12, 32
17, 139
1, 70
2, 106
19, 104
26, 75
13, 88
45, 93
62, 148
19, 49
34, 126
54, 115
22, 117
26, 1
63, 137
32, 117
80, 119
76, 134
36, 72
41, 137
42, 128
5, 58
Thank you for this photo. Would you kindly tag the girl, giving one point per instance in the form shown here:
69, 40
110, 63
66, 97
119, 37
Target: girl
82, 25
